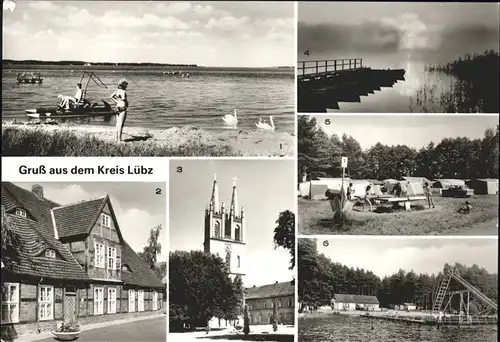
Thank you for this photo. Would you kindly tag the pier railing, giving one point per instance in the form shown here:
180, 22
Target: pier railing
308, 68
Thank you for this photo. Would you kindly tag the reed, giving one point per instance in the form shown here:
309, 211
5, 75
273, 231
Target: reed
19, 141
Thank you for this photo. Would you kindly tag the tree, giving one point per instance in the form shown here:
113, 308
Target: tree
284, 234
199, 288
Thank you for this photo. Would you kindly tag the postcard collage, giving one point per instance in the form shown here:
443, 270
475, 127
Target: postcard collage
250, 171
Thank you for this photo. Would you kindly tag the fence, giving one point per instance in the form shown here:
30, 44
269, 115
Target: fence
308, 68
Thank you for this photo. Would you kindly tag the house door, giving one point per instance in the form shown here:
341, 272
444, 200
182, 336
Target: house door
70, 304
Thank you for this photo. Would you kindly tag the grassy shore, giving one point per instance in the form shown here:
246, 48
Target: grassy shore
316, 217
90, 141
257, 333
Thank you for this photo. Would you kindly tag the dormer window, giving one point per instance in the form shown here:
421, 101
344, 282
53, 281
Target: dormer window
50, 253
21, 212
125, 268
106, 220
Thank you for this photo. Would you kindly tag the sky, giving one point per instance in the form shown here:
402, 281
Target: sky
385, 256
137, 206
363, 29
225, 34
413, 131
264, 187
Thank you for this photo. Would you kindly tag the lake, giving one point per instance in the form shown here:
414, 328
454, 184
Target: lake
353, 329
421, 91
162, 101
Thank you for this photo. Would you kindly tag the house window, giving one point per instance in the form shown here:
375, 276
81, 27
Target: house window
106, 221
111, 300
289, 302
140, 300
70, 289
237, 233
21, 212
217, 230
50, 253
99, 255
10, 303
125, 268
112, 258
131, 301
238, 258
46, 302
155, 300
98, 300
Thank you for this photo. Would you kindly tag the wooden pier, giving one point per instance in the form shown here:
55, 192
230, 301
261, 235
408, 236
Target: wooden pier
449, 320
324, 84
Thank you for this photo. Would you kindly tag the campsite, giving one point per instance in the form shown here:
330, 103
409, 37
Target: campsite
381, 190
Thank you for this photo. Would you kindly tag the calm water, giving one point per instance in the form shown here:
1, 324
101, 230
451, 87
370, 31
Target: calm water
159, 101
420, 92
354, 329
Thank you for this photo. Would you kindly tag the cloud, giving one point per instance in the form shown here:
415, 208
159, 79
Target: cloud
174, 7
203, 10
228, 23
43, 6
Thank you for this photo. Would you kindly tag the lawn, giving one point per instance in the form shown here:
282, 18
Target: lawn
316, 217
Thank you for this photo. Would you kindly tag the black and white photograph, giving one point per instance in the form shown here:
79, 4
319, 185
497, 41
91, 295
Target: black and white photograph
398, 175
232, 250
84, 261
400, 289
148, 78
398, 57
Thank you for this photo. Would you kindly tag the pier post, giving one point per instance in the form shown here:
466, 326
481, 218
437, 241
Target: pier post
317, 71
335, 65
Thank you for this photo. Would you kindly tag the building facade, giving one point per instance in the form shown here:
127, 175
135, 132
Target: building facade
69, 263
261, 299
347, 302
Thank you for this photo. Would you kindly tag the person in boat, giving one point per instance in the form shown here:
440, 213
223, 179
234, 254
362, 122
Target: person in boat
428, 194
120, 98
465, 209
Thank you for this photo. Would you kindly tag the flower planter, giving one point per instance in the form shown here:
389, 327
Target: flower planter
66, 336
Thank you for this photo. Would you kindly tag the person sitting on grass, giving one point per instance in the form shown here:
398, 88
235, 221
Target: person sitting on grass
465, 209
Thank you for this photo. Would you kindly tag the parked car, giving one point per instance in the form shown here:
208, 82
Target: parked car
457, 191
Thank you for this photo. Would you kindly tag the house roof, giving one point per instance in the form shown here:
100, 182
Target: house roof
78, 218
34, 235
357, 299
140, 274
270, 291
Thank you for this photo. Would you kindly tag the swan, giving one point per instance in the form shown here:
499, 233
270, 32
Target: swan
231, 120
265, 126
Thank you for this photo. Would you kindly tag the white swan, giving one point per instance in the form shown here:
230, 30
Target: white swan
265, 126
231, 120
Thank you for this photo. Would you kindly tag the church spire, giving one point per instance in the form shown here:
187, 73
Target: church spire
234, 200
214, 201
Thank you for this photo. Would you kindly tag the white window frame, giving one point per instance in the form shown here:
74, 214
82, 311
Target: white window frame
99, 255
140, 300
111, 300
106, 220
21, 212
46, 302
98, 300
11, 303
111, 258
155, 300
131, 300
50, 253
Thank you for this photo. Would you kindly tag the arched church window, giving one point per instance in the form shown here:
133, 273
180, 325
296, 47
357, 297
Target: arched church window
238, 261
217, 230
237, 233
228, 259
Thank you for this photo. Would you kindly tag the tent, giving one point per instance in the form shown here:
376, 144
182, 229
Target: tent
487, 186
446, 183
317, 188
421, 180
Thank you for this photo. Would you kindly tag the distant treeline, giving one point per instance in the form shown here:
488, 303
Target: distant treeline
319, 279
7, 62
460, 158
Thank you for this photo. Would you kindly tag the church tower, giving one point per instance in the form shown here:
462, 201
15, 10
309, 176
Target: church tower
225, 231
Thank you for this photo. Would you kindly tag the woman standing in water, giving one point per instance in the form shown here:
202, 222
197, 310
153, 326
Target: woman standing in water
120, 97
